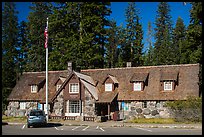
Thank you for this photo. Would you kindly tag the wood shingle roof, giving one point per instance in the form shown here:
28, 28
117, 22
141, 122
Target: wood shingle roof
185, 74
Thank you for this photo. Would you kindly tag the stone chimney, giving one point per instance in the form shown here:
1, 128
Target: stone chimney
128, 64
69, 66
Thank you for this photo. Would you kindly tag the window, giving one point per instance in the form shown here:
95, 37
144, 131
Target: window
108, 87
74, 106
168, 85
34, 88
137, 86
57, 87
22, 105
144, 104
74, 88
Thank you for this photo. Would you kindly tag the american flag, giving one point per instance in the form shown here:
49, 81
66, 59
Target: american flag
46, 37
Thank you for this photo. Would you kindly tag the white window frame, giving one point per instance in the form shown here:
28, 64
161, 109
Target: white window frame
22, 105
74, 109
34, 88
168, 85
58, 86
76, 89
108, 87
137, 86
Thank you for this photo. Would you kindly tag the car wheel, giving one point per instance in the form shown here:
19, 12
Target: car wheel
28, 125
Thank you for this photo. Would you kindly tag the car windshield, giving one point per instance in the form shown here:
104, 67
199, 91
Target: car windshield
36, 113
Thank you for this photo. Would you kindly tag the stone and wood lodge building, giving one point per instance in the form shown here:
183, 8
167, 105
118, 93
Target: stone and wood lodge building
117, 93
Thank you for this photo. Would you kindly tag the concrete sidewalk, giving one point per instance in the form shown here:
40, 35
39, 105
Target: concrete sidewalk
118, 124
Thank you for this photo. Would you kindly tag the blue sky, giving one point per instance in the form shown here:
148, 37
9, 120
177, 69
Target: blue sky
147, 13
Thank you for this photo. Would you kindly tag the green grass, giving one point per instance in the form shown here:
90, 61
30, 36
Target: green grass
154, 120
159, 121
14, 119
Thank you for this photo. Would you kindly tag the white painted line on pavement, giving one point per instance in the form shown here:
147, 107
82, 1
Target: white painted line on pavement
102, 129
144, 129
76, 127
97, 127
58, 128
85, 128
23, 127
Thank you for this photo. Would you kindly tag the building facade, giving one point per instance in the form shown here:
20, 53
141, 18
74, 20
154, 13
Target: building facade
114, 93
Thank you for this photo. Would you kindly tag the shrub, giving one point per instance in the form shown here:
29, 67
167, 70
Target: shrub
189, 110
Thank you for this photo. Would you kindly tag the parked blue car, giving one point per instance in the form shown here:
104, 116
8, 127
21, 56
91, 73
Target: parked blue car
36, 117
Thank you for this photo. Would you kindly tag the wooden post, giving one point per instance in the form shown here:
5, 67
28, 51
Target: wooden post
108, 111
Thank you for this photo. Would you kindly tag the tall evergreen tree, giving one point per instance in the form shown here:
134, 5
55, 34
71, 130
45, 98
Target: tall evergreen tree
64, 34
92, 32
9, 51
163, 31
111, 46
134, 37
79, 27
22, 47
179, 40
194, 34
149, 57
36, 25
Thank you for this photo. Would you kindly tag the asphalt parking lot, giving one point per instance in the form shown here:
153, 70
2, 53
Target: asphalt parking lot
60, 129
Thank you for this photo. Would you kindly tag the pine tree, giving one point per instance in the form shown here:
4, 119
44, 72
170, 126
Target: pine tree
36, 25
179, 40
64, 34
134, 37
194, 34
92, 32
163, 31
149, 60
9, 52
111, 46
22, 47
79, 34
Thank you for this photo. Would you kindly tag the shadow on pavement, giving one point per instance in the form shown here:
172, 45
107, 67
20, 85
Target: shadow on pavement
49, 125
4, 123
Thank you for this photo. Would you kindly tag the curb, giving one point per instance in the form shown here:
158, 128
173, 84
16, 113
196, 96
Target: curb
160, 126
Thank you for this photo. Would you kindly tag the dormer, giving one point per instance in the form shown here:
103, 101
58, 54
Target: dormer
36, 84
139, 81
59, 82
110, 82
168, 81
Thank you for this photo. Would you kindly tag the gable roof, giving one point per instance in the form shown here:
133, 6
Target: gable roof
187, 81
139, 77
22, 89
60, 78
106, 97
114, 79
187, 77
36, 81
85, 79
169, 76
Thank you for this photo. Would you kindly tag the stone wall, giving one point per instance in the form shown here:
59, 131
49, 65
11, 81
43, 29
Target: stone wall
137, 109
89, 105
58, 105
13, 108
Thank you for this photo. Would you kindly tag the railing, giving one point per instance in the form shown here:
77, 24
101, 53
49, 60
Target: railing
88, 118
85, 118
56, 117
69, 117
